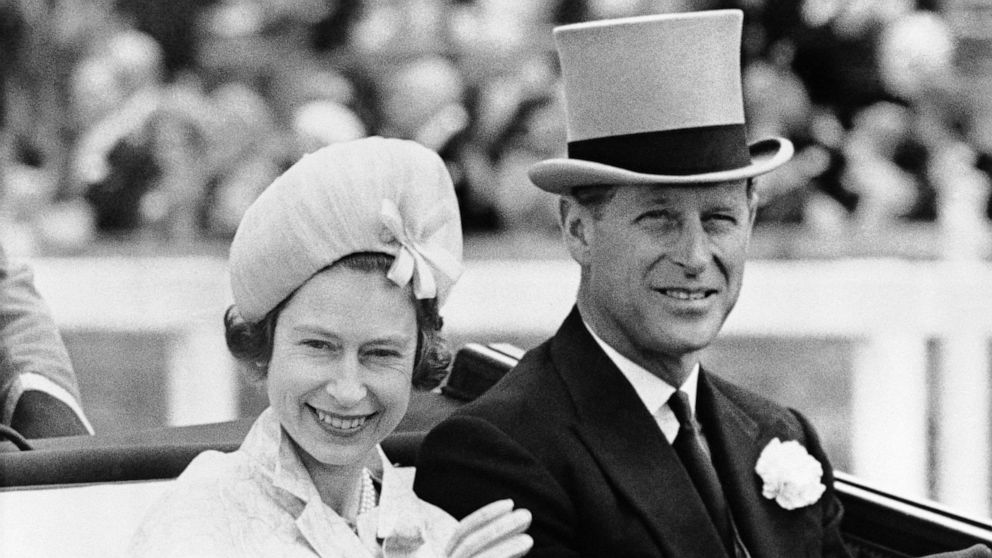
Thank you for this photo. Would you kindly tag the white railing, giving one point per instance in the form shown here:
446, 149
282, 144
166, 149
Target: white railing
890, 309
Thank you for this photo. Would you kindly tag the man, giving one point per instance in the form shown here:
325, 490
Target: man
39, 396
657, 208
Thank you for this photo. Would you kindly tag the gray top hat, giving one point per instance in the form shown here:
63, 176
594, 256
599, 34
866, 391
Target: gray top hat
655, 100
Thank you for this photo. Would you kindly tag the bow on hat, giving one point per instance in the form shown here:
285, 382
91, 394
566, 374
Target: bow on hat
417, 257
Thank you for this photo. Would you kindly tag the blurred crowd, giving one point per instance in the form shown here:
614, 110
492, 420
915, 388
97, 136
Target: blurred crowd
168, 117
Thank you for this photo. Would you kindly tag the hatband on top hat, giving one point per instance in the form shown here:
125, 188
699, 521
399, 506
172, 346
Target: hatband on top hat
655, 100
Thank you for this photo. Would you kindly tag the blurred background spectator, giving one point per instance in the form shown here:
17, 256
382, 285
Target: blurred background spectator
149, 119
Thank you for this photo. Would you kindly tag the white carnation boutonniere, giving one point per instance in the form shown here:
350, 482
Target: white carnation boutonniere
790, 474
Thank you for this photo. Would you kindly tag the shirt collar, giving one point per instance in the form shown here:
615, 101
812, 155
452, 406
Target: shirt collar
652, 390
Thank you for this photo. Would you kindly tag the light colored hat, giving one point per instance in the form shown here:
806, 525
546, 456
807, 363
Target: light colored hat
368, 195
655, 100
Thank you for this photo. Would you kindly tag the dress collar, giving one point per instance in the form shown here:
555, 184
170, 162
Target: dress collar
271, 449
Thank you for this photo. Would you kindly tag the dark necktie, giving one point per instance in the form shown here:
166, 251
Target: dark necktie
689, 446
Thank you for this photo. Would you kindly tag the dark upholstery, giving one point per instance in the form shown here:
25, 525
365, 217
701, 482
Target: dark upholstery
153, 454
475, 370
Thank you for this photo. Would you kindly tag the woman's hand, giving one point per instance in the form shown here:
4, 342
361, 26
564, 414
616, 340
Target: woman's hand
493, 531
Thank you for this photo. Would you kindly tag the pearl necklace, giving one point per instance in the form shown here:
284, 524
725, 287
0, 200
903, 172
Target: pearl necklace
368, 496
366, 499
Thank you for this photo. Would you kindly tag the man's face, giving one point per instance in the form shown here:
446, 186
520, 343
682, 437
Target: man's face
662, 265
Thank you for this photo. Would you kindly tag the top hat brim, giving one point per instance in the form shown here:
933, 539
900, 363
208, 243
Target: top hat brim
558, 176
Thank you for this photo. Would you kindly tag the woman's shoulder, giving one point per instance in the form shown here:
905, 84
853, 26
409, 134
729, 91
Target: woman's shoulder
202, 487
215, 466
205, 507
254, 459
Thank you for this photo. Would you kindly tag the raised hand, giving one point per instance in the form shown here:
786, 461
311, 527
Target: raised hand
495, 530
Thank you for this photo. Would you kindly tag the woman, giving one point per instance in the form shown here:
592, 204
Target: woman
337, 272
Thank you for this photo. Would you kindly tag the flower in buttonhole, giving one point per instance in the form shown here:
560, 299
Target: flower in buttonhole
790, 474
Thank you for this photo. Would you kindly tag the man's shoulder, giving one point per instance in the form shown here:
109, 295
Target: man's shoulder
530, 390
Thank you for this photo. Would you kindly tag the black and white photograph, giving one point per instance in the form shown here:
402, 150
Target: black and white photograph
496, 278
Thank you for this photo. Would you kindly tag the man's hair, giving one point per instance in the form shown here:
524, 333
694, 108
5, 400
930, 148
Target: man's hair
252, 342
595, 197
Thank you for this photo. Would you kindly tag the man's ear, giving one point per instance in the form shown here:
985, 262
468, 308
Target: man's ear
751, 191
576, 228
752, 202
752, 211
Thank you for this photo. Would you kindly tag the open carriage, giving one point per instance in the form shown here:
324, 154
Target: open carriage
84, 496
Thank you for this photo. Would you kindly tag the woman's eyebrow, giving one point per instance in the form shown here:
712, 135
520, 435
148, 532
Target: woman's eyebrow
398, 340
313, 329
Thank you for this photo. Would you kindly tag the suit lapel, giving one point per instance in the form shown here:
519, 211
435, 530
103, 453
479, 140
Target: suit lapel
736, 440
627, 443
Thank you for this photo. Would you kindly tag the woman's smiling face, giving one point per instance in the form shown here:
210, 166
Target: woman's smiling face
342, 362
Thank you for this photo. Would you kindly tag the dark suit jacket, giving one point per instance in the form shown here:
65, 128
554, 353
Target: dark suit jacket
566, 436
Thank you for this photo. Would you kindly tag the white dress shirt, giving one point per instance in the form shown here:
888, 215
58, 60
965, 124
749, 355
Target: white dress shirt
653, 391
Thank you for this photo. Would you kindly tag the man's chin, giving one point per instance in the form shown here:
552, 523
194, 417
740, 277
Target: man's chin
684, 342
